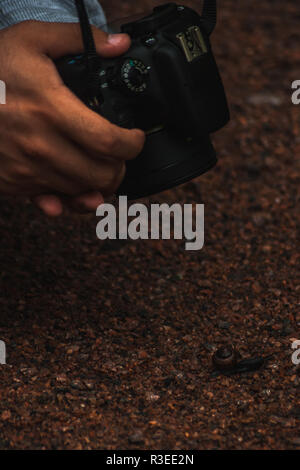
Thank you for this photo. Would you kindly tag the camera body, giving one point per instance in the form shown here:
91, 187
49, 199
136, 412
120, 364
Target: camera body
166, 84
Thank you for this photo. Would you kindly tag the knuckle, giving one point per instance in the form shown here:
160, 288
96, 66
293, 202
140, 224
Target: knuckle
114, 178
137, 144
100, 36
35, 147
19, 175
109, 143
54, 102
22, 171
140, 139
38, 110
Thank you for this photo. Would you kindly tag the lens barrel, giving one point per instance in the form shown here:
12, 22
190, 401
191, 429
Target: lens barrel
167, 161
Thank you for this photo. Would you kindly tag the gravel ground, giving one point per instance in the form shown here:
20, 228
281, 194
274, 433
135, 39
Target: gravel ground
109, 344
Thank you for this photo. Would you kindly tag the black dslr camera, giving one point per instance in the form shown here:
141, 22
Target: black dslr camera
167, 84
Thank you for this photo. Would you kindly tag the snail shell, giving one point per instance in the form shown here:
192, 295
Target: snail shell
225, 358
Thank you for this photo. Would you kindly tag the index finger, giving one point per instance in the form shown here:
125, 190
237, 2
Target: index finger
92, 131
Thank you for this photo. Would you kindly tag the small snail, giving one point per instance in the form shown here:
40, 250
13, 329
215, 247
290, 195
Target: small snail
225, 358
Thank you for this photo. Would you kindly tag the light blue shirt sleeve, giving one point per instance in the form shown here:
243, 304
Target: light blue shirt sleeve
60, 11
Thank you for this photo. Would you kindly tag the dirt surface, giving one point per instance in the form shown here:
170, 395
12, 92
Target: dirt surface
109, 344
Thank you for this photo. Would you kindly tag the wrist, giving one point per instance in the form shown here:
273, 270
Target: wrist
55, 11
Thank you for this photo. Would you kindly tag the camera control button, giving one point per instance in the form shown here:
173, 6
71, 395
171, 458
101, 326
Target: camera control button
135, 74
150, 42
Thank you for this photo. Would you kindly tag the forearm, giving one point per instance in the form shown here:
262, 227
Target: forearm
61, 11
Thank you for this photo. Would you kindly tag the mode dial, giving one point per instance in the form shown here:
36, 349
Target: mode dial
134, 75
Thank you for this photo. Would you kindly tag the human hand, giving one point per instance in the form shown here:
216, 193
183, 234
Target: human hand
53, 148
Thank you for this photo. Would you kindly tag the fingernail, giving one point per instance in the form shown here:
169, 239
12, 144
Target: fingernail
115, 39
51, 205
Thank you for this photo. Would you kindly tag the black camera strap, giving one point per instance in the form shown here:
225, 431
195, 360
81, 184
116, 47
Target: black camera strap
90, 53
209, 15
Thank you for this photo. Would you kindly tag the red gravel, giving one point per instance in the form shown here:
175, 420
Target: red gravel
109, 344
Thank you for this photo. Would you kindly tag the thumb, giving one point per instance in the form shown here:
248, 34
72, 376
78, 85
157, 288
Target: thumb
59, 39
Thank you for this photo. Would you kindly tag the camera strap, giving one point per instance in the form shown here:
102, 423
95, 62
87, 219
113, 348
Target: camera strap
209, 15
90, 54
